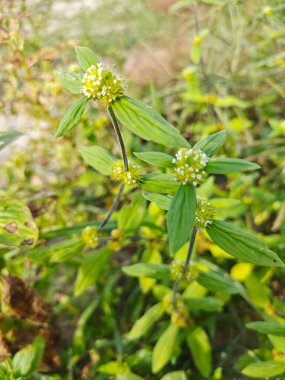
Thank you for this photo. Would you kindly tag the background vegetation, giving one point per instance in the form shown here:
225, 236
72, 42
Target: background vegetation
205, 66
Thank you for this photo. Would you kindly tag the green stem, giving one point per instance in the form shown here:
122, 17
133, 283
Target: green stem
120, 138
186, 264
113, 208
126, 165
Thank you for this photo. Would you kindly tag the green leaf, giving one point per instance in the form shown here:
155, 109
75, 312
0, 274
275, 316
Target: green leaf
181, 216
159, 183
144, 323
114, 368
17, 227
278, 342
242, 245
264, 327
90, 269
219, 282
162, 160
61, 251
6, 138
229, 165
71, 81
147, 123
176, 375
128, 376
162, 201
211, 144
86, 57
99, 158
265, 369
72, 117
131, 216
164, 348
27, 360
157, 271
200, 348
204, 304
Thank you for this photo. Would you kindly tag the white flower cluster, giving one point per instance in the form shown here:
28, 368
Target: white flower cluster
189, 166
205, 213
102, 85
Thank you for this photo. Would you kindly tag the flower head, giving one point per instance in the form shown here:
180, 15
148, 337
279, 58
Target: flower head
130, 177
90, 236
178, 272
205, 213
190, 165
101, 85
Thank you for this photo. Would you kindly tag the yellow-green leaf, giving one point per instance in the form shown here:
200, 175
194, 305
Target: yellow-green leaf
265, 369
144, 323
200, 348
90, 269
99, 158
164, 348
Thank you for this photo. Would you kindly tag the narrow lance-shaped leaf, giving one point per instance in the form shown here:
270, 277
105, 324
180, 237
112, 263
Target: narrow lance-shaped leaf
204, 304
27, 360
90, 269
220, 282
263, 370
241, 244
7, 138
181, 216
147, 123
164, 348
158, 271
200, 348
162, 160
229, 165
72, 117
211, 144
131, 215
86, 57
144, 323
162, 201
159, 183
266, 327
99, 158
70, 81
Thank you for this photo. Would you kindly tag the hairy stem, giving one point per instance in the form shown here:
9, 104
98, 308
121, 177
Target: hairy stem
186, 263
